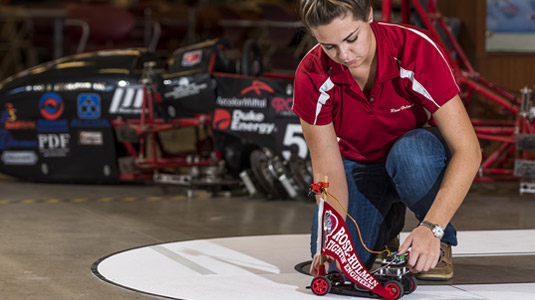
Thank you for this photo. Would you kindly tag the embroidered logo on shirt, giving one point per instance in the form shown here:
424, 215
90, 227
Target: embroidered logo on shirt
395, 110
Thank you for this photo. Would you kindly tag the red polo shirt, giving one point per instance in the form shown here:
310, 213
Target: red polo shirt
413, 80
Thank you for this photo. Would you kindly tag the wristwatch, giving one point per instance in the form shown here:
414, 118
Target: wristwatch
437, 230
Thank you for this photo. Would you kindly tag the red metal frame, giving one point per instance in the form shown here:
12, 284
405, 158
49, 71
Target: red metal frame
500, 135
147, 128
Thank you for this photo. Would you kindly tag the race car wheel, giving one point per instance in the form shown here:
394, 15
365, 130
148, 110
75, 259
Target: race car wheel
409, 284
268, 182
223, 63
299, 170
394, 288
321, 285
251, 61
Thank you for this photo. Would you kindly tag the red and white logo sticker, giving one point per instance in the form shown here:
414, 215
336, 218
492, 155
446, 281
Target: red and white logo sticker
191, 58
93, 138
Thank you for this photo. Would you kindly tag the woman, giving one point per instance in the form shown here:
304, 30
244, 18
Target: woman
383, 120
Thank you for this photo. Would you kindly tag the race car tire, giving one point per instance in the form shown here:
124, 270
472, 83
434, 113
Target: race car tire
251, 59
223, 63
269, 183
300, 172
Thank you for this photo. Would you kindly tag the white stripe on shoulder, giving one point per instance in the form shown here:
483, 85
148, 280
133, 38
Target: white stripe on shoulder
421, 34
322, 99
311, 49
416, 86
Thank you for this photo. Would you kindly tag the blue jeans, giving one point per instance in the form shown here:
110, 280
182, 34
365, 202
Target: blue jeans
380, 193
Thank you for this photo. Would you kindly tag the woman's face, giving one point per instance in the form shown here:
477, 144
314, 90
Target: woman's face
347, 41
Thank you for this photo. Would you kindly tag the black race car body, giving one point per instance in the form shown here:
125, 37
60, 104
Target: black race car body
58, 119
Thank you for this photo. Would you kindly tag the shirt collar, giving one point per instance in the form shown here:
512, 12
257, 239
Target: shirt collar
387, 66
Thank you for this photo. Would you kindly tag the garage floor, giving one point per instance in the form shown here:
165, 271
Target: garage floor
54, 234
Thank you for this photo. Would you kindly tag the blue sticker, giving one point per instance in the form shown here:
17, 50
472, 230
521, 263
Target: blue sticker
8, 142
89, 106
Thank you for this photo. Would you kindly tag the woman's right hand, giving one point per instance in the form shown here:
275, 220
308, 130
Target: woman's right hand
327, 261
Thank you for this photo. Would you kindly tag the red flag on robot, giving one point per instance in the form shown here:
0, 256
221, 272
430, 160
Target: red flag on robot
337, 243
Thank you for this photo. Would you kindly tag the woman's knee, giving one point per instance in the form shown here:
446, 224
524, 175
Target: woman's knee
416, 151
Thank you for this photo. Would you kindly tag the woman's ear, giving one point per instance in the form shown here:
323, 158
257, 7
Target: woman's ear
370, 15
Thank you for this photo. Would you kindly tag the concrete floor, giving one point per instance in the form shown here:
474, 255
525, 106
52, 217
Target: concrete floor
53, 233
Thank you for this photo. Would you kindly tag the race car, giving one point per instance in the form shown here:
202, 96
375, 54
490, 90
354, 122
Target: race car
100, 117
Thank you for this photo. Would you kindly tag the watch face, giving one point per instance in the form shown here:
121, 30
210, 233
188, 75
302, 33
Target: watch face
438, 231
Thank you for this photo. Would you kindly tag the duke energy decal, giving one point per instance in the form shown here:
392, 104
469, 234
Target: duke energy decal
242, 121
221, 119
337, 243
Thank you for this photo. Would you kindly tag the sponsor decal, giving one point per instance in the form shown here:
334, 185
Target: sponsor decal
99, 123
88, 106
93, 138
89, 112
257, 86
191, 58
185, 88
9, 118
241, 102
72, 86
127, 100
76, 86
54, 145
337, 243
250, 122
59, 87
9, 114
282, 105
8, 142
19, 158
243, 121
289, 89
20, 125
51, 106
395, 110
35, 88
52, 126
221, 119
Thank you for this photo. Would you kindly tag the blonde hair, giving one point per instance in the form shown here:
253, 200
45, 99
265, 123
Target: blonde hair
314, 13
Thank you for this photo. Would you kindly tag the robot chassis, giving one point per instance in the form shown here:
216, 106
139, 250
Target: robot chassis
392, 274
